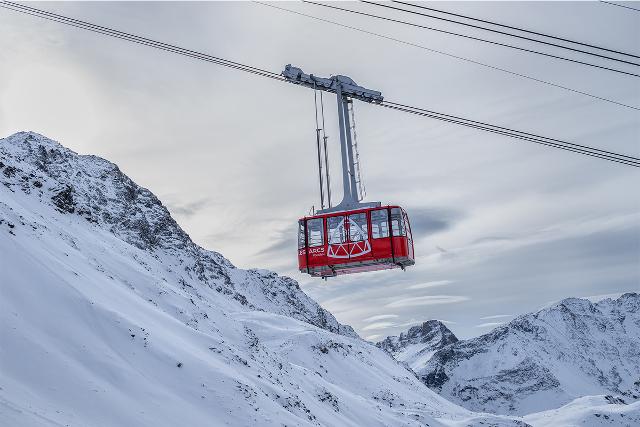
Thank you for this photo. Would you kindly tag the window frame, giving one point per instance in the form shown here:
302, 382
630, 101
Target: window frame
302, 234
407, 226
366, 225
345, 237
386, 222
400, 218
309, 243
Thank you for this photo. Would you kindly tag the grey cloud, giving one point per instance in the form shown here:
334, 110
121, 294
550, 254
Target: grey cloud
187, 209
491, 239
283, 246
428, 220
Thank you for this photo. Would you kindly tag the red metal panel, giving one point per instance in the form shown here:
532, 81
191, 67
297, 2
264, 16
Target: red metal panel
359, 256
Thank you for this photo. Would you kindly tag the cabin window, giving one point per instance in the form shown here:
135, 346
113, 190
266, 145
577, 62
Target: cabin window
335, 228
315, 232
379, 223
407, 227
397, 222
300, 234
358, 229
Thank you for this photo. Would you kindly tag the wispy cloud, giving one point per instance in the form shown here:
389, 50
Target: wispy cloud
188, 209
489, 325
427, 300
373, 337
378, 325
496, 316
430, 284
380, 317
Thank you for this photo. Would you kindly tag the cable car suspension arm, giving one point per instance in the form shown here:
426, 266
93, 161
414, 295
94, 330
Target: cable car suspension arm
346, 90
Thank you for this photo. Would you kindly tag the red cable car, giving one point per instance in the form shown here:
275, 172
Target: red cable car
355, 241
351, 237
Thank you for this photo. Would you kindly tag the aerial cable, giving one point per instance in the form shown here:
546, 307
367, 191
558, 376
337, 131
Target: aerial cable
519, 135
130, 37
589, 151
576, 61
198, 55
135, 39
620, 5
501, 128
450, 55
622, 156
537, 141
315, 104
326, 153
586, 52
517, 28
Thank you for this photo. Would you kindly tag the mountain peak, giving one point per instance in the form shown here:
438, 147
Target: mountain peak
90, 189
416, 345
545, 359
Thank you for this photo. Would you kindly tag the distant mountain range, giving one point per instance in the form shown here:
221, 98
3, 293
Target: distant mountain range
536, 362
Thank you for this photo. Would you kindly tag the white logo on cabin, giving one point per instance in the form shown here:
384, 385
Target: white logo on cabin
348, 250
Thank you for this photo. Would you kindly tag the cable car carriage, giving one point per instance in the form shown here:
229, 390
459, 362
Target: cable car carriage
351, 237
355, 241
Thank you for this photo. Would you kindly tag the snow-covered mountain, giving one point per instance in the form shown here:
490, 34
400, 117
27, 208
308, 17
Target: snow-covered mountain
419, 343
543, 360
110, 316
591, 411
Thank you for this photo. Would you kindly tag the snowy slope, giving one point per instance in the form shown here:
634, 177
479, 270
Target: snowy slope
544, 360
590, 411
419, 343
110, 315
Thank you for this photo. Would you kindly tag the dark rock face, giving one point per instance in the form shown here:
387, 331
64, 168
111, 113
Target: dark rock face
64, 200
95, 189
435, 379
544, 360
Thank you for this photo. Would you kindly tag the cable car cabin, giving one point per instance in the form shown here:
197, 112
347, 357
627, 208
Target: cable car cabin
355, 241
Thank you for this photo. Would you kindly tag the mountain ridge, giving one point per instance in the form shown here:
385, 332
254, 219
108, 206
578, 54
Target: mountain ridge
136, 216
540, 361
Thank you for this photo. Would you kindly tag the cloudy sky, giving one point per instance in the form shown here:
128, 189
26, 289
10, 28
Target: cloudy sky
501, 226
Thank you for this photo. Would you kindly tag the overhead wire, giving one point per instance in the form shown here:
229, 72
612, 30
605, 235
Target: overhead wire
450, 55
580, 149
439, 30
326, 153
135, 39
315, 105
421, 6
522, 137
620, 5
